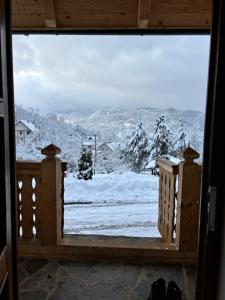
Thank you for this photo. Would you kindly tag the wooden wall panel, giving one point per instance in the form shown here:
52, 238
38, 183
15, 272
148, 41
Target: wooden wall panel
97, 21
28, 21
182, 6
180, 21
96, 6
24, 7
28, 15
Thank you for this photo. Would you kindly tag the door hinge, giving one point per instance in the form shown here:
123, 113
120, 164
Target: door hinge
212, 195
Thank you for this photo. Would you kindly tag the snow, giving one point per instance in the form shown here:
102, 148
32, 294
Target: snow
28, 125
113, 146
175, 160
121, 204
112, 188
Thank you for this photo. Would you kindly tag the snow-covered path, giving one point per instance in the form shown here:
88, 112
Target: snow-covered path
122, 204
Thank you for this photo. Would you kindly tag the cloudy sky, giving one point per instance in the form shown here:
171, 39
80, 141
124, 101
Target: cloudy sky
56, 73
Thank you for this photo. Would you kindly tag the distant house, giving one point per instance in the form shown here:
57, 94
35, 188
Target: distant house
89, 144
108, 148
23, 129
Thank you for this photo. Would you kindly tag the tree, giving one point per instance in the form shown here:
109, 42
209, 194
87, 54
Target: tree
136, 152
161, 145
180, 142
85, 165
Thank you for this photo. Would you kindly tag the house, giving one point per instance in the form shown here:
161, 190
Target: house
23, 129
107, 148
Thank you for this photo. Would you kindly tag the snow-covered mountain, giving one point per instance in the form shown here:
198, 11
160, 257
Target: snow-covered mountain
69, 130
49, 129
114, 123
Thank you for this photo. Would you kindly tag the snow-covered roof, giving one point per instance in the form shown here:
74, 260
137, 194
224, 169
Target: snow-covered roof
27, 124
112, 146
88, 143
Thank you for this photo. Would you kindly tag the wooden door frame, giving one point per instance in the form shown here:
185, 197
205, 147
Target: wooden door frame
210, 241
12, 154
9, 162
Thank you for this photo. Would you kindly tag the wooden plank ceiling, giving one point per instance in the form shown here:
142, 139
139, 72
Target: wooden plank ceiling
32, 15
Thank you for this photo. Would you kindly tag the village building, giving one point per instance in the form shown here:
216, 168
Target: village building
106, 149
23, 130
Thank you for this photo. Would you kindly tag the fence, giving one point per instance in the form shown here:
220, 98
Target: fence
40, 192
179, 195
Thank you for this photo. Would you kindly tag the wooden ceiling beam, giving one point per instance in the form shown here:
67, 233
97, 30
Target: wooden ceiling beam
49, 13
144, 8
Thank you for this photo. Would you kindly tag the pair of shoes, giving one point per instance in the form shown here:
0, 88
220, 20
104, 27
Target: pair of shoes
158, 291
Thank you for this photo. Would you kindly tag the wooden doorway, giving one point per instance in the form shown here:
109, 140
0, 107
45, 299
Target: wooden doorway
8, 262
213, 150
211, 267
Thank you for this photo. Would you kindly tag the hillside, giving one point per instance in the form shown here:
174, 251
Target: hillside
49, 129
115, 123
68, 130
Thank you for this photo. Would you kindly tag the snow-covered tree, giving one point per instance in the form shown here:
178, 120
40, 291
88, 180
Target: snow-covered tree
181, 140
136, 151
85, 165
161, 145
50, 129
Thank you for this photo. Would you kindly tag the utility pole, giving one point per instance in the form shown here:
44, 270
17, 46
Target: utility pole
95, 135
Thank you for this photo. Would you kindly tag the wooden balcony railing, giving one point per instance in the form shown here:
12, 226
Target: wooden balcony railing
40, 196
179, 195
168, 172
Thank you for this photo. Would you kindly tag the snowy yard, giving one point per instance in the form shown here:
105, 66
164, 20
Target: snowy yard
112, 204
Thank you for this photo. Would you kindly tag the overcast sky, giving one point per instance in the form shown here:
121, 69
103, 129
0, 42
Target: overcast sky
55, 73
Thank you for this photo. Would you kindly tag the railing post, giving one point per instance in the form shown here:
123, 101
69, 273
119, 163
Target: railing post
50, 206
189, 181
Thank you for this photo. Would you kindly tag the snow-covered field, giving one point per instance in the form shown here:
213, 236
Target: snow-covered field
112, 204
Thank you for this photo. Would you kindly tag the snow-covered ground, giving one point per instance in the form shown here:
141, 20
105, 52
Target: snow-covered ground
112, 204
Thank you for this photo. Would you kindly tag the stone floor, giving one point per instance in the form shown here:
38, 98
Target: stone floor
55, 280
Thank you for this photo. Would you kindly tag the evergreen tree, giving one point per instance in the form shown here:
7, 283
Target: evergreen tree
85, 165
136, 151
161, 145
180, 143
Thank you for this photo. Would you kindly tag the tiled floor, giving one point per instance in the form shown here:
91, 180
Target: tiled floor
55, 280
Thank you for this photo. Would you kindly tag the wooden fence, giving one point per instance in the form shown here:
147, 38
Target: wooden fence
167, 198
40, 196
179, 195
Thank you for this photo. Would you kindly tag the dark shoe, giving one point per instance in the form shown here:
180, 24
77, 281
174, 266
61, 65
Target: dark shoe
173, 292
158, 290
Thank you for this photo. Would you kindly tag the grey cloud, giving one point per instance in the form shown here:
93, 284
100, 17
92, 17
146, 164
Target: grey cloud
68, 72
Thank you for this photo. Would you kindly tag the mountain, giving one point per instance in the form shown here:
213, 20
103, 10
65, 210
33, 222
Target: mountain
115, 123
49, 129
69, 130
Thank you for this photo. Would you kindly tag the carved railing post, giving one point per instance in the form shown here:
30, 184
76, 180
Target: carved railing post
189, 181
51, 206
